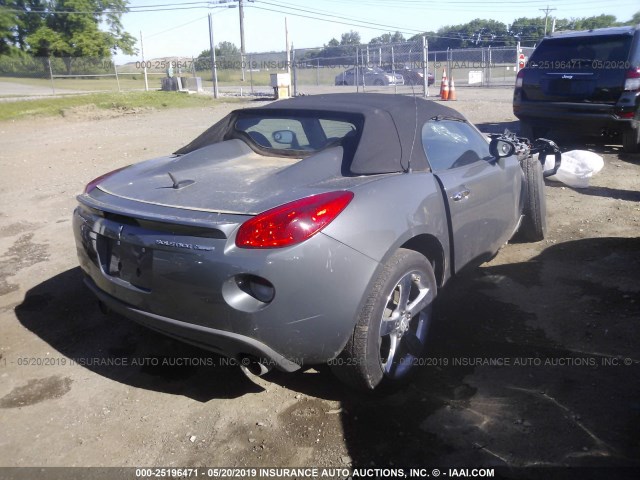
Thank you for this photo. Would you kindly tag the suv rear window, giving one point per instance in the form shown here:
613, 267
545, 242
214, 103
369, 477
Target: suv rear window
582, 52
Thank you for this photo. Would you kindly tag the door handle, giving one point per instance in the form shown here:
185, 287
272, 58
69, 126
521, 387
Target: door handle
461, 195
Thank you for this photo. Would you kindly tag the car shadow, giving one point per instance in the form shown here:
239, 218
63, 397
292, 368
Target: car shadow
573, 308
606, 192
63, 313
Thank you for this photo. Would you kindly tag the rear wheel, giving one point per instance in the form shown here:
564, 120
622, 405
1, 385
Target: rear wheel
378, 82
534, 222
631, 140
392, 327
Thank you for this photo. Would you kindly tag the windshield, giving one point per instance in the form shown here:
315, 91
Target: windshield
301, 132
583, 51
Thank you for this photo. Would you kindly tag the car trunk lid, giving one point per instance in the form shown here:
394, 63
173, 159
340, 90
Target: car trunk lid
228, 177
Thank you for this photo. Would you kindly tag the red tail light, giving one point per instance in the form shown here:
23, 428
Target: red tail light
94, 183
293, 222
520, 79
632, 80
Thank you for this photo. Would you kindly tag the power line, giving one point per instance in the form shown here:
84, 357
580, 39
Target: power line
382, 27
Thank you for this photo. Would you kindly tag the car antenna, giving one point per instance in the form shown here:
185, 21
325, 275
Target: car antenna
415, 130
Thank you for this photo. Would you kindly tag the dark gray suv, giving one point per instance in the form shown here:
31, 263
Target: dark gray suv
587, 81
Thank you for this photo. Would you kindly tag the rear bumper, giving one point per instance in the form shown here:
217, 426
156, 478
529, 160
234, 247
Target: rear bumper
219, 341
192, 293
582, 117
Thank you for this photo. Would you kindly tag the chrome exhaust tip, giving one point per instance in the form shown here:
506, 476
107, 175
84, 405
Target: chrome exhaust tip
252, 366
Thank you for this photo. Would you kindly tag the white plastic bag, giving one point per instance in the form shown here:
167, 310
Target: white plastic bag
576, 167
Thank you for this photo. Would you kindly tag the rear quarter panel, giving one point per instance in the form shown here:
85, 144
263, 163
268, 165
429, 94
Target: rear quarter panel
385, 214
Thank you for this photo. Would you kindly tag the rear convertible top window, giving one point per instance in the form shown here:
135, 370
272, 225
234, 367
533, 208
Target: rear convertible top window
296, 133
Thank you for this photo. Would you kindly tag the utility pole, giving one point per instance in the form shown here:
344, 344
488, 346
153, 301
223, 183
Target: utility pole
545, 10
242, 50
286, 46
144, 65
214, 67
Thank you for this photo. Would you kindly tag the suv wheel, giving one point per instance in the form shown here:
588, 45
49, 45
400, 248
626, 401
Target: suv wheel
392, 326
534, 222
631, 140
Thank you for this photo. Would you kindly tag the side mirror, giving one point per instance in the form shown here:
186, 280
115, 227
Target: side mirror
286, 137
501, 148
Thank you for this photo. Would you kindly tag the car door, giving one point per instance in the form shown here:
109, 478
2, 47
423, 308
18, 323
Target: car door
482, 193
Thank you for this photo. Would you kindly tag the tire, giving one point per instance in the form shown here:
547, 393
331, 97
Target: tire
631, 141
378, 82
534, 222
392, 327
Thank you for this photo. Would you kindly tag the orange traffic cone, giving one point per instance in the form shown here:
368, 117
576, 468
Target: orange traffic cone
452, 90
443, 82
445, 91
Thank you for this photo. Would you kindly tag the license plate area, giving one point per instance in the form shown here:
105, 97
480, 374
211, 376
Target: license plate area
130, 263
569, 87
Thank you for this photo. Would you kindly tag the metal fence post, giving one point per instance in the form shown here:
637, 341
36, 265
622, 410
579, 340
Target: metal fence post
53, 88
115, 68
144, 65
425, 66
251, 72
214, 68
357, 71
490, 81
295, 72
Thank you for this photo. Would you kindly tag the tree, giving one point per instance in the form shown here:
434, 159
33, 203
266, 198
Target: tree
68, 29
337, 53
528, 30
228, 50
587, 23
476, 33
350, 38
26, 21
7, 22
635, 20
387, 38
225, 52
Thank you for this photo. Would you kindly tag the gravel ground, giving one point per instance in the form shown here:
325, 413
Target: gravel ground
564, 313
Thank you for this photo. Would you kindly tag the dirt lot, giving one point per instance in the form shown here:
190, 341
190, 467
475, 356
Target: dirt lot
559, 320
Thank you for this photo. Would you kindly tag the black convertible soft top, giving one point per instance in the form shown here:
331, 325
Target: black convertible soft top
391, 133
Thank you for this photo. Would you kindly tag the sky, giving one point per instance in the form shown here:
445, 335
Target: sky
180, 27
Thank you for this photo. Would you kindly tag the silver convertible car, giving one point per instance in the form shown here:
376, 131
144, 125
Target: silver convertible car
312, 230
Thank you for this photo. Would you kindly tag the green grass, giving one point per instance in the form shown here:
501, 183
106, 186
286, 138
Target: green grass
47, 107
127, 82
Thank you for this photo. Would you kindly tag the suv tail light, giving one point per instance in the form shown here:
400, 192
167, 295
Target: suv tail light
520, 79
292, 222
94, 183
632, 80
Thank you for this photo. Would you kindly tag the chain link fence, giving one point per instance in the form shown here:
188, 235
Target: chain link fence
405, 68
